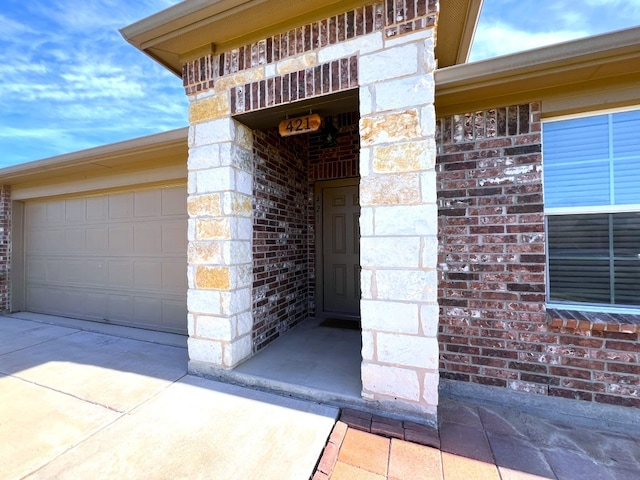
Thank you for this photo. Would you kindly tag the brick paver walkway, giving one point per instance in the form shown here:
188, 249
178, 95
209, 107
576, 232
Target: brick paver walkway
475, 443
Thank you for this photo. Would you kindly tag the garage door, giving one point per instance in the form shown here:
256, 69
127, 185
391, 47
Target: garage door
117, 258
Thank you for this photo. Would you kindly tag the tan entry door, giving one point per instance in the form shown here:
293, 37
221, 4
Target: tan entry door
341, 250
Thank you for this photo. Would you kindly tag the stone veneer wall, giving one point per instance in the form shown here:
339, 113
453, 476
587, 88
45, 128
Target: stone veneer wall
493, 325
5, 248
386, 51
281, 254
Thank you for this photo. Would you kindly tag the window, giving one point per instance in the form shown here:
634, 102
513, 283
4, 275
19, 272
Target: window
592, 204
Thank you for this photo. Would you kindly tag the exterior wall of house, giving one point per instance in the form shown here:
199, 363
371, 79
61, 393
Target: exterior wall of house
5, 248
286, 170
280, 235
494, 327
386, 50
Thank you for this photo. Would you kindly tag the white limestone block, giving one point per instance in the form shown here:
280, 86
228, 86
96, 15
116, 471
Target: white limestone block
244, 182
430, 388
429, 319
390, 252
405, 92
207, 351
368, 345
407, 350
366, 221
396, 382
389, 316
214, 328
366, 100
407, 285
204, 301
237, 351
388, 63
235, 301
244, 323
366, 277
428, 187
428, 121
429, 258
205, 156
406, 220
217, 179
362, 45
213, 131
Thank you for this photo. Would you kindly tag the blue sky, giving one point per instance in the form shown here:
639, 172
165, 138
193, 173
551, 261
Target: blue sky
68, 81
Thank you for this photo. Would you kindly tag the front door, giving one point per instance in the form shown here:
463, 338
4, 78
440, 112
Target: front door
340, 251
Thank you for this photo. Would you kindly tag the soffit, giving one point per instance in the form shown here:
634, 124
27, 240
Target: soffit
196, 27
154, 151
595, 64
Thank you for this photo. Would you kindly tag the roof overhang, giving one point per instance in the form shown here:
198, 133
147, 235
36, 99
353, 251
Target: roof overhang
195, 28
146, 160
598, 72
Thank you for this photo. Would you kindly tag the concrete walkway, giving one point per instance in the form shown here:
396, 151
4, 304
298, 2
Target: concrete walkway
76, 404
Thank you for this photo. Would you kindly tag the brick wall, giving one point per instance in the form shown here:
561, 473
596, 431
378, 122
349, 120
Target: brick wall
280, 235
286, 170
5, 248
493, 324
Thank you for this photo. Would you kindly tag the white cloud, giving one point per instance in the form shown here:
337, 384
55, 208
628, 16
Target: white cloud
498, 38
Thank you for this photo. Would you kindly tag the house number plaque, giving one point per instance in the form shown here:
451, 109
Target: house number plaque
298, 125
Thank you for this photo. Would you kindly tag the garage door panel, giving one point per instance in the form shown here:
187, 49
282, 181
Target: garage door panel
147, 275
72, 272
121, 206
120, 307
97, 270
172, 203
147, 311
55, 213
36, 269
171, 312
75, 241
147, 204
148, 238
97, 208
121, 240
117, 258
174, 238
120, 273
97, 240
174, 277
75, 211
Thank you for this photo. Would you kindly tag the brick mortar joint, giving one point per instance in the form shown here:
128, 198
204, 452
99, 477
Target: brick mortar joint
200, 74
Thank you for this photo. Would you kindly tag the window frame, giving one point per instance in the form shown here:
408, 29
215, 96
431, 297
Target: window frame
583, 210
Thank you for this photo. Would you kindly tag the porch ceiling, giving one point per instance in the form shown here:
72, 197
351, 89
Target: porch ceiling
196, 27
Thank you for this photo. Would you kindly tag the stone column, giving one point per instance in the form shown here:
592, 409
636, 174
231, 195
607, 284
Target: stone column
399, 225
220, 226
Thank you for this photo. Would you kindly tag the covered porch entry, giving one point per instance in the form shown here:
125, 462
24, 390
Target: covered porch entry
263, 208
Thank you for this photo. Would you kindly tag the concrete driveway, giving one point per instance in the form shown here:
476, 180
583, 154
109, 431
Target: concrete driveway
78, 404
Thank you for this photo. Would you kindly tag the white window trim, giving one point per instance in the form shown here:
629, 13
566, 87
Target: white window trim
582, 210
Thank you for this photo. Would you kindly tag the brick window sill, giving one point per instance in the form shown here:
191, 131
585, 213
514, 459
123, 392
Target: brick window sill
593, 321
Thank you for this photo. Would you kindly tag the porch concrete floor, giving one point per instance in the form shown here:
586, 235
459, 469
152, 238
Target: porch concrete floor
323, 362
